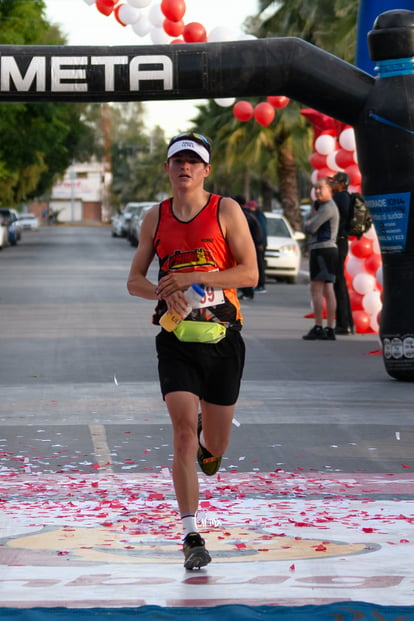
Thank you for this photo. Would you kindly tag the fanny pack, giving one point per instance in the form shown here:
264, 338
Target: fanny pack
200, 332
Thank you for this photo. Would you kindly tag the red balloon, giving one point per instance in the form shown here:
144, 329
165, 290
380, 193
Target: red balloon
325, 172
317, 160
361, 321
174, 29
278, 102
348, 279
243, 110
372, 263
355, 299
116, 14
177, 41
361, 248
344, 158
195, 33
321, 122
354, 174
173, 10
264, 113
105, 6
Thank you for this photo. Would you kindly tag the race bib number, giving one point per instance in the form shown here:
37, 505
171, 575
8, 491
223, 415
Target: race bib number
212, 297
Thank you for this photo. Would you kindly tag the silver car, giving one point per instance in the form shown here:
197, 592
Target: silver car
136, 223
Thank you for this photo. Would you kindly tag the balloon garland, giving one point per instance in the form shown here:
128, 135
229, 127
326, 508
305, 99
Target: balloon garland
164, 22
334, 151
161, 20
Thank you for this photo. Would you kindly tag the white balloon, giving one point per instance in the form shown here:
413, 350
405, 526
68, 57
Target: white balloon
379, 276
90, 2
363, 283
314, 177
142, 26
373, 324
331, 161
225, 102
159, 36
372, 302
156, 16
324, 144
221, 33
139, 4
246, 37
376, 246
371, 233
356, 157
354, 265
127, 14
347, 139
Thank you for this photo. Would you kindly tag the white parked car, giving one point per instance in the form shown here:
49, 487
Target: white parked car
27, 222
8, 219
3, 236
283, 254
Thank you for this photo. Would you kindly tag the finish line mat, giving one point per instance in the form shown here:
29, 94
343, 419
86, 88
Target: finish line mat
277, 539
355, 611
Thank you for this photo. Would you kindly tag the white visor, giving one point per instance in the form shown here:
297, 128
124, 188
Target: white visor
189, 145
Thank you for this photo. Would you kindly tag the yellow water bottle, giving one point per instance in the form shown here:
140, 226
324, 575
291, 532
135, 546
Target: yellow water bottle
171, 318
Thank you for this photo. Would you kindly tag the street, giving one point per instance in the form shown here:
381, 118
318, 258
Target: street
317, 422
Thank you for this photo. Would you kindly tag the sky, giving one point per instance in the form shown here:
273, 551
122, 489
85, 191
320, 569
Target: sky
83, 24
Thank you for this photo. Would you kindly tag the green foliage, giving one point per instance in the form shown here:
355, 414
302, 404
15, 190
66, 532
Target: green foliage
23, 22
39, 141
136, 157
328, 24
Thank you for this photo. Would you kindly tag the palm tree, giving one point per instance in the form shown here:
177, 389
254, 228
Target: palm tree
250, 156
329, 24
258, 161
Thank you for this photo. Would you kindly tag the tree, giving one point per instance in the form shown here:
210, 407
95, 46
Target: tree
39, 141
279, 153
328, 24
136, 157
255, 160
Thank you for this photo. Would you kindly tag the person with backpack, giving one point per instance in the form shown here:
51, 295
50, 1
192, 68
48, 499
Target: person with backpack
344, 320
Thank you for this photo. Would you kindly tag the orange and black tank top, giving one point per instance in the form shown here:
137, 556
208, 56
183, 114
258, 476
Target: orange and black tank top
197, 246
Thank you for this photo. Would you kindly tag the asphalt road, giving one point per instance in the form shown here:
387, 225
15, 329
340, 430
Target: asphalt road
79, 386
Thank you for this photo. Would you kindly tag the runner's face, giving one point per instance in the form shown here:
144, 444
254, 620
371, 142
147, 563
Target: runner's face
186, 169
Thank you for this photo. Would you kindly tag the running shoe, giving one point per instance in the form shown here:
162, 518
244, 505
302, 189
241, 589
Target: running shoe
330, 334
207, 462
315, 334
195, 553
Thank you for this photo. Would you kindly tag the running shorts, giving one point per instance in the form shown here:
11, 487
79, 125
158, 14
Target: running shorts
213, 372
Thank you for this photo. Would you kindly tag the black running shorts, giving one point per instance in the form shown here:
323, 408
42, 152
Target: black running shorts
213, 372
323, 264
